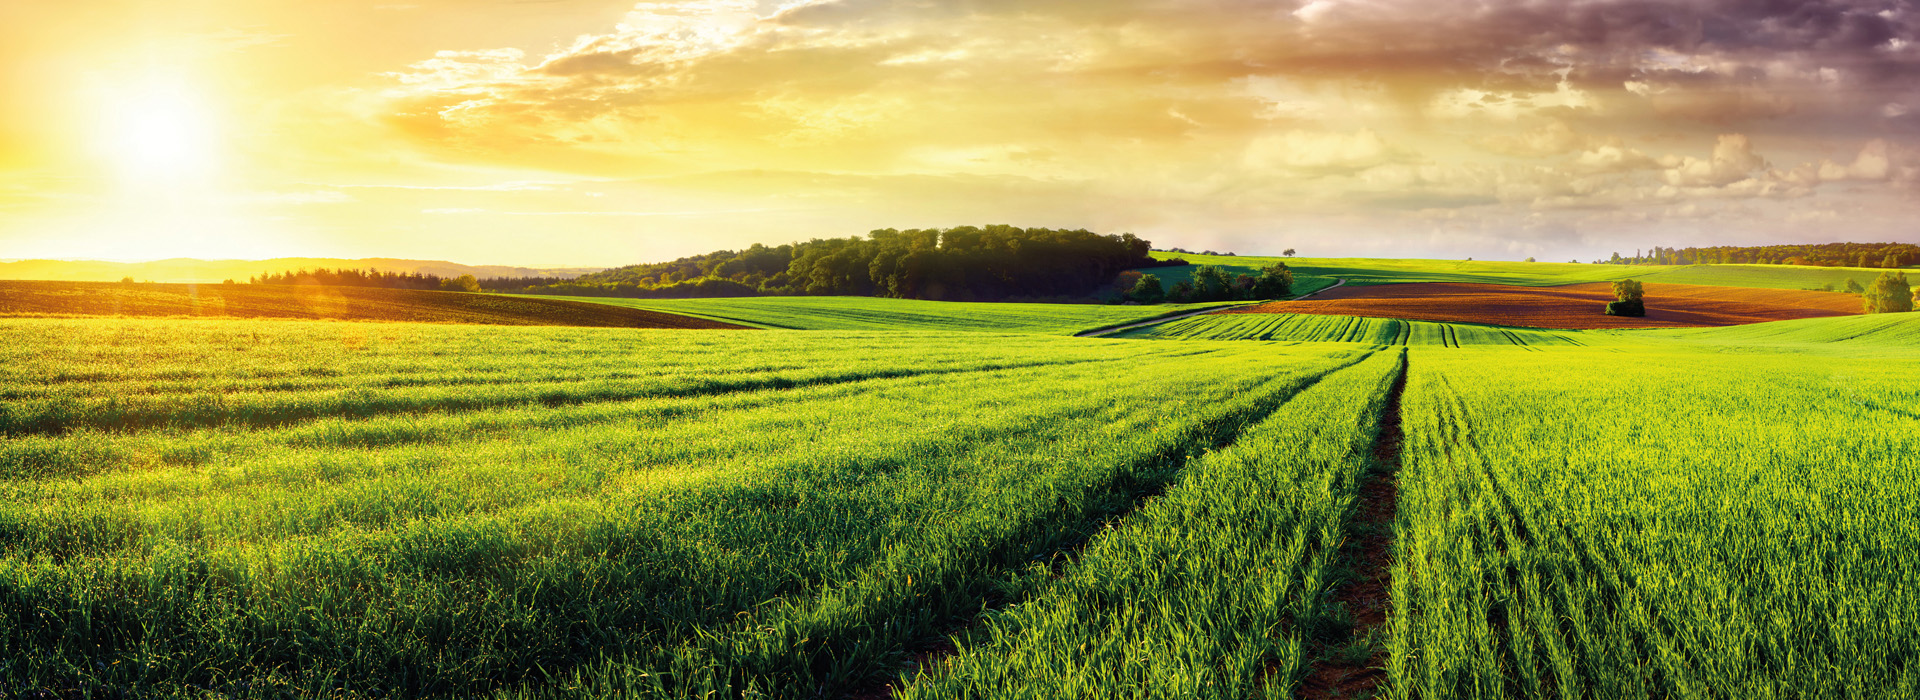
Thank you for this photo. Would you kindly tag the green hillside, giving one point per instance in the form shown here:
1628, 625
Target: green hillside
1347, 329
1369, 271
874, 313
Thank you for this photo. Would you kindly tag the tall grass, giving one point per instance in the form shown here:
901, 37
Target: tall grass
1658, 523
780, 538
1209, 592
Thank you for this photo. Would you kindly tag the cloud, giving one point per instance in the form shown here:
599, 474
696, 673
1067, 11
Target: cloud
1733, 160
1318, 152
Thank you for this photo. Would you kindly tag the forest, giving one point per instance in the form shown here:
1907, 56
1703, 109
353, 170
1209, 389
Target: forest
1887, 255
965, 263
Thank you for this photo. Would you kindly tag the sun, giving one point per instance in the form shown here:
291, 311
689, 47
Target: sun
159, 131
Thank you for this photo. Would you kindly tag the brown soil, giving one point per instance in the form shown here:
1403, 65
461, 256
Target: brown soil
1369, 554
1577, 306
315, 302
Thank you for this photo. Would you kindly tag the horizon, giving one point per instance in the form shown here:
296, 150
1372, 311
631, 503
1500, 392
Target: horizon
613, 131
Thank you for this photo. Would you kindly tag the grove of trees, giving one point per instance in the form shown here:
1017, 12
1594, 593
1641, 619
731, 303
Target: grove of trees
1216, 283
965, 263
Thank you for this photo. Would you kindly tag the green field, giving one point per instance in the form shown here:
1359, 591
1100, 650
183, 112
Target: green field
878, 314
1315, 328
267, 509
1369, 271
1688, 525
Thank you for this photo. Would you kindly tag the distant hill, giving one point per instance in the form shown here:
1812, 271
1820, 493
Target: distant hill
189, 270
42, 298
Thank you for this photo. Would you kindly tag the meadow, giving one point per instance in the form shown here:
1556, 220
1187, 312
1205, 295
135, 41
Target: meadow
221, 508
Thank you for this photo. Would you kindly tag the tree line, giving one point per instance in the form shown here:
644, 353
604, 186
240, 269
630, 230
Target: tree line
400, 280
965, 263
1884, 255
1208, 283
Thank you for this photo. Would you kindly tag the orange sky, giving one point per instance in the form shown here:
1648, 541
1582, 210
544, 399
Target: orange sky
546, 132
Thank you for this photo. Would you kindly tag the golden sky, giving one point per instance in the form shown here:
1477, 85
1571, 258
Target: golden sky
590, 132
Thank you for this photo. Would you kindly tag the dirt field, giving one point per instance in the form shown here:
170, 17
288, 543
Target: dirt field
1576, 306
312, 302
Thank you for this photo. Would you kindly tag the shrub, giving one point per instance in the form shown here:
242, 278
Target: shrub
1148, 290
1627, 308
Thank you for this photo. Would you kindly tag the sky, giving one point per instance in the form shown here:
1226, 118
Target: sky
596, 132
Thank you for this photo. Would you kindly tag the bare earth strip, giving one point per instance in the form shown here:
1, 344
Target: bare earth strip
1576, 306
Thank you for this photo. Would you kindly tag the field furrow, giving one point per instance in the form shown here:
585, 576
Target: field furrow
1213, 590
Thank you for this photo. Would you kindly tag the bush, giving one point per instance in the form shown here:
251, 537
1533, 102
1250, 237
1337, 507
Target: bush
1889, 294
1627, 308
1148, 290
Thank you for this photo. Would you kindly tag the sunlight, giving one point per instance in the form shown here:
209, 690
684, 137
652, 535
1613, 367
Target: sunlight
159, 131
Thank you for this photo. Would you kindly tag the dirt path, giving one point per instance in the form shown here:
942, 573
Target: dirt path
1359, 669
1337, 282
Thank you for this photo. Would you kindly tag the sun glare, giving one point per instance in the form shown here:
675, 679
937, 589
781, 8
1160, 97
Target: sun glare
159, 132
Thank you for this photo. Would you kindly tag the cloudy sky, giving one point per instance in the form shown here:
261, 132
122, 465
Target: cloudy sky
547, 132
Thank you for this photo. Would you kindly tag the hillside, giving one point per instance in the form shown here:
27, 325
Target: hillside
190, 271
871, 313
1371, 271
336, 303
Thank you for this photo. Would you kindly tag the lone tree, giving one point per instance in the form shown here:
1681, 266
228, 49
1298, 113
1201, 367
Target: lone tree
1628, 299
1288, 252
1853, 287
1889, 294
1148, 290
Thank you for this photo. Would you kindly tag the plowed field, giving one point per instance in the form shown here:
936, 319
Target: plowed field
1575, 306
313, 302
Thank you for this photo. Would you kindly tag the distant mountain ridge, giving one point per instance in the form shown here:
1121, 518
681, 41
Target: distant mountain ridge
191, 270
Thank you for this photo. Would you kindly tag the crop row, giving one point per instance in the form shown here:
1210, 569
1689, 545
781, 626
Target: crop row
1347, 329
789, 541
1675, 530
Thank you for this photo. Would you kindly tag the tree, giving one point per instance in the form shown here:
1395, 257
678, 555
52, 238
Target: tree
1863, 260
1211, 283
1889, 294
1182, 292
1892, 261
1529, 258
1853, 287
1629, 299
1274, 283
1288, 252
463, 283
1148, 290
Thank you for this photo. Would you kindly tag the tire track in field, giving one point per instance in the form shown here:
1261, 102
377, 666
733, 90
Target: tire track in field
1140, 484
1368, 555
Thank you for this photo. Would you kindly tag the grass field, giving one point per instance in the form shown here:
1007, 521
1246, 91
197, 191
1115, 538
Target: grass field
80, 299
1372, 271
874, 313
663, 513
1315, 328
1657, 523
214, 508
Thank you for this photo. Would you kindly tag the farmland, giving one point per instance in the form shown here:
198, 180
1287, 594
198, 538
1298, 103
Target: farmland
1372, 271
878, 314
1569, 306
1732, 534
80, 299
1347, 329
784, 512
265, 508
